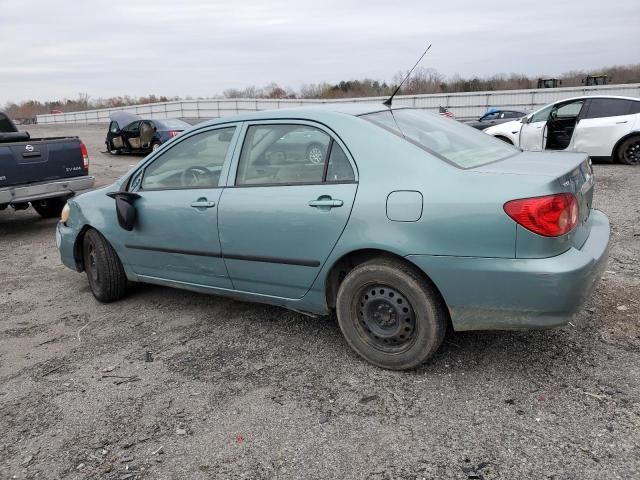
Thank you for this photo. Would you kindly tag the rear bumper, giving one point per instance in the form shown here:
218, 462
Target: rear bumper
43, 190
511, 293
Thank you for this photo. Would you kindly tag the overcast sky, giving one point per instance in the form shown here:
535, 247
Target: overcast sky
51, 49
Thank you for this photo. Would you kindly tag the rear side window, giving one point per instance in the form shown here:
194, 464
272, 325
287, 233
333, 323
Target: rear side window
283, 154
635, 107
609, 107
445, 138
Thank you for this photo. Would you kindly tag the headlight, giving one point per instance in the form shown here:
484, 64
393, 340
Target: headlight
66, 211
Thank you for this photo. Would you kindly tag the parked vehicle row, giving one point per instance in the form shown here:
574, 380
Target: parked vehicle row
605, 127
402, 221
41, 172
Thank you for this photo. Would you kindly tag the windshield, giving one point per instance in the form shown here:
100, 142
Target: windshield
445, 138
172, 124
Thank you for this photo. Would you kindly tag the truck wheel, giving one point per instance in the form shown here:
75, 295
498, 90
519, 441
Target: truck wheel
104, 270
49, 208
390, 315
629, 151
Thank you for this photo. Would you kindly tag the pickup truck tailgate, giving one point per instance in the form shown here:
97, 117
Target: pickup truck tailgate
39, 160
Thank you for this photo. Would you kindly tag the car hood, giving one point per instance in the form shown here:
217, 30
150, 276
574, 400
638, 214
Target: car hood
512, 126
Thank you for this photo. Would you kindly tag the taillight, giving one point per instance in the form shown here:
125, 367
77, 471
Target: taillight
173, 133
550, 216
85, 156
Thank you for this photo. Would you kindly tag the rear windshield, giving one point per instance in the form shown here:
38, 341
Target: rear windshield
443, 137
172, 124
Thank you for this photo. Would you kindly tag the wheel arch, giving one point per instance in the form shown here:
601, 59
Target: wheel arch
347, 262
614, 152
504, 138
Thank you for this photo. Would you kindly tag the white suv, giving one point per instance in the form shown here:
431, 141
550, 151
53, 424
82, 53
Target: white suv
605, 127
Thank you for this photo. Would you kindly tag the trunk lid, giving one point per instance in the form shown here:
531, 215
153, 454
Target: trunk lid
559, 172
39, 160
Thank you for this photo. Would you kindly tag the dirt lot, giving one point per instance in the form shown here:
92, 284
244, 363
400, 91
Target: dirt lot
250, 391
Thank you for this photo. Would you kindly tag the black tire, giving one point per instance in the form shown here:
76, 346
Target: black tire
104, 270
629, 151
409, 320
315, 153
49, 208
111, 149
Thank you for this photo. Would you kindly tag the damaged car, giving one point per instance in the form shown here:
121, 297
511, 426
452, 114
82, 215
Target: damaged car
409, 224
129, 133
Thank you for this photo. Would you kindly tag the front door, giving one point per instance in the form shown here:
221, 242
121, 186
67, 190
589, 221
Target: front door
532, 131
285, 208
176, 231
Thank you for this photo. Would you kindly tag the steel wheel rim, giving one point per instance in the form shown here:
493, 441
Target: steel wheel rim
386, 319
155, 147
632, 153
315, 155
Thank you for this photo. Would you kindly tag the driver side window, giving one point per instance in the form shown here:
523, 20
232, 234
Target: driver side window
195, 162
541, 115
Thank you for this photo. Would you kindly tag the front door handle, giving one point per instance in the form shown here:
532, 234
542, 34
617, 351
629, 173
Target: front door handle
203, 203
620, 123
326, 202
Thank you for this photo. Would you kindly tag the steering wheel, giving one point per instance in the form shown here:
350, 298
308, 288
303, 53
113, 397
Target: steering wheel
192, 175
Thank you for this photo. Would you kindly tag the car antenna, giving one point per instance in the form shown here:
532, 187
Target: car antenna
387, 102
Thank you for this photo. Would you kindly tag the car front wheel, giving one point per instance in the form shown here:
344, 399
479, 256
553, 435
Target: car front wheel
104, 270
390, 315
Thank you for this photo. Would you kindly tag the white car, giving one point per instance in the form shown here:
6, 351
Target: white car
605, 127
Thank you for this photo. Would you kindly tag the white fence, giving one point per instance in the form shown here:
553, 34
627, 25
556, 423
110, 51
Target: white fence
463, 105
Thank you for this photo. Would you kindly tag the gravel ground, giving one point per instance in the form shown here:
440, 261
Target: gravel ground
251, 391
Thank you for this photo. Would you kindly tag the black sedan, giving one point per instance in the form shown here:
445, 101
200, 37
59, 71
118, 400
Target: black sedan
495, 117
129, 133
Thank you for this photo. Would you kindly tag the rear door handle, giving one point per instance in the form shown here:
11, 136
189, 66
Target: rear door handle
203, 203
326, 202
620, 123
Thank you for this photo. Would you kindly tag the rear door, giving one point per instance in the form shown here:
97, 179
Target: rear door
532, 132
605, 122
131, 135
284, 209
176, 233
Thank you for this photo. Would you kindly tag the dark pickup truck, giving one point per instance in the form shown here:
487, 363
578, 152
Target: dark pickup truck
43, 172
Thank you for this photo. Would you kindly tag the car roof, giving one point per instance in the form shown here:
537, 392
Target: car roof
319, 112
584, 97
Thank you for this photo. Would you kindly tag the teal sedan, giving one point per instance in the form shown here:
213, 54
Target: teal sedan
403, 222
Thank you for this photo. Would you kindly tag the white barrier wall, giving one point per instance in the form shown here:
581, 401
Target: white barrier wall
463, 105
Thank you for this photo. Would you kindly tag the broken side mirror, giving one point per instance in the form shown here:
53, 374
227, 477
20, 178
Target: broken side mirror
125, 210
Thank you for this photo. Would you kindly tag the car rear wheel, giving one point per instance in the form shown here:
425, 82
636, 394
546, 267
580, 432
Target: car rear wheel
104, 270
49, 208
390, 315
629, 151
315, 153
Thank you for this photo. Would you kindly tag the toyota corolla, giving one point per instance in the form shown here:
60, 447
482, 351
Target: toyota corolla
408, 223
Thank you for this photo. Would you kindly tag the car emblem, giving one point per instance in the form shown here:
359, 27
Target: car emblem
29, 148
